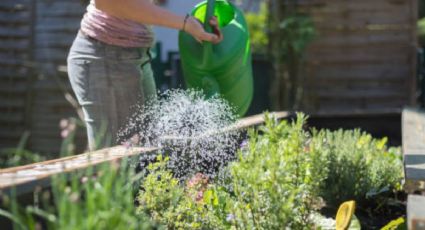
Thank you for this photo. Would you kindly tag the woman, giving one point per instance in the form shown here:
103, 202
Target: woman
108, 64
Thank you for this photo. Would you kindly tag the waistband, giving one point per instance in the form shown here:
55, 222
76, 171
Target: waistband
105, 46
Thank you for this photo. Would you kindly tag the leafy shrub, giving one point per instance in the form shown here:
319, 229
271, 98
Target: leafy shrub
83, 200
169, 203
358, 165
273, 185
257, 26
277, 182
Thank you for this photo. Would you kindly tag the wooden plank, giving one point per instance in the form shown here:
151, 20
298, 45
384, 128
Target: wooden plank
9, 143
20, 176
11, 72
358, 84
16, 32
11, 118
355, 113
345, 27
358, 56
47, 39
365, 53
50, 44
355, 105
360, 73
413, 51
27, 177
359, 93
14, 5
362, 43
13, 103
46, 87
55, 25
357, 10
15, 44
15, 133
361, 39
11, 61
54, 101
60, 9
49, 114
360, 5
413, 132
365, 19
13, 88
13, 54
48, 55
15, 18
355, 84
416, 212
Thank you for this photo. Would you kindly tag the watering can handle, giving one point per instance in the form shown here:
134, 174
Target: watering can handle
208, 28
209, 14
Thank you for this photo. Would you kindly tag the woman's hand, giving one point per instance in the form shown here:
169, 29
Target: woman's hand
194, 27
144, 11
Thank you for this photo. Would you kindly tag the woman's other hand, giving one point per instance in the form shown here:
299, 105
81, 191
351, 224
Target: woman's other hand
194, 27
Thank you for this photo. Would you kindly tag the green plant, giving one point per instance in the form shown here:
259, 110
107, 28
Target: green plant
397, 224
11, 157
290, 33
170, 203
273, 185
100, 198
276, 180
421, 31
360, 167
257, 25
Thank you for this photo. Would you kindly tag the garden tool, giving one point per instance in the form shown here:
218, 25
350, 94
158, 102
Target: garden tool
223, 68
345, 215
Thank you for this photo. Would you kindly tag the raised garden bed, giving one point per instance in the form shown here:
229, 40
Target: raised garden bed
284, 176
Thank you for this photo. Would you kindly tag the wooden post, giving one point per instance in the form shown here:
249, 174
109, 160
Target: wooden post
416, 212
413, 128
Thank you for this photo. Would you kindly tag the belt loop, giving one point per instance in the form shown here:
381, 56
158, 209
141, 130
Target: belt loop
148, 51
149, 58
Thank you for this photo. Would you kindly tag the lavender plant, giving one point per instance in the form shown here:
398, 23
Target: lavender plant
360, 166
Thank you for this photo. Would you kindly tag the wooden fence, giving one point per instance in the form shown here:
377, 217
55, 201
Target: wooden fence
57, 23
15, 69
364, 58
35, 36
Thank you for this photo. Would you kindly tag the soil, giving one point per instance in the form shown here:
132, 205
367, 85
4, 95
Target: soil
373, 217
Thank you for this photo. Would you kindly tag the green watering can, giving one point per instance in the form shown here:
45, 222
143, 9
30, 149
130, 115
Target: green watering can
224, 68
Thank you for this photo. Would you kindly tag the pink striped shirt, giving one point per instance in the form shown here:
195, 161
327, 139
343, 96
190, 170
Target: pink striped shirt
115, 31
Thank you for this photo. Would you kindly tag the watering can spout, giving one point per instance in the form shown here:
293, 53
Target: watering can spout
207, 46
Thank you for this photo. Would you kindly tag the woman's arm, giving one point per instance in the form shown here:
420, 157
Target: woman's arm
144, 11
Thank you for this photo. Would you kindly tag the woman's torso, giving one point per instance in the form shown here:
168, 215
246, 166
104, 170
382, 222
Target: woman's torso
115, 31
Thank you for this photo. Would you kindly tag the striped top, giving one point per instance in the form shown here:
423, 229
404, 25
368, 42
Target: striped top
112, 30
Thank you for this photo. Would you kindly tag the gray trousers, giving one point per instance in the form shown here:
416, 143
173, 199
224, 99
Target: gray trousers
107, 81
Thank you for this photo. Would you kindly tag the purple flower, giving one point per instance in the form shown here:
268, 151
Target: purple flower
244, 144
230, 217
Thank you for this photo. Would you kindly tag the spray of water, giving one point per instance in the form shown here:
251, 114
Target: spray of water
190, 128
